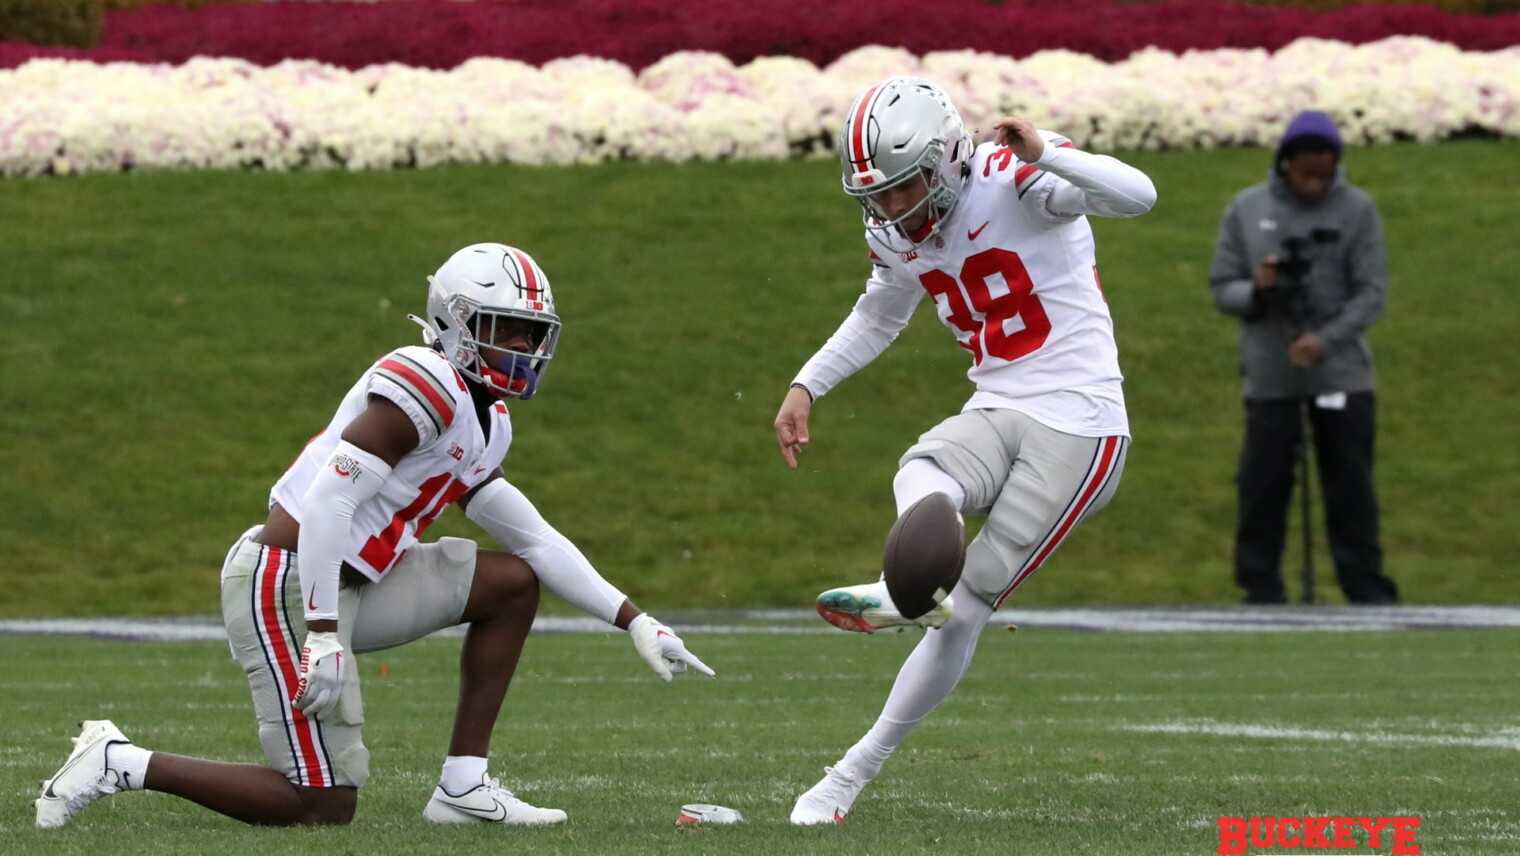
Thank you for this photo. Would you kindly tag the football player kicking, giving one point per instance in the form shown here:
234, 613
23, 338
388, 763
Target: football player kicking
997, 236
422, 428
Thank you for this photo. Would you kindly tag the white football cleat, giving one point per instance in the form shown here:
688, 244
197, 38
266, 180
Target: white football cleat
487, 802
829, 800
868, 608
83, 778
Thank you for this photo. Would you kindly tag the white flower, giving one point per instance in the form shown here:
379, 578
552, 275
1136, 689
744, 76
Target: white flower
811, 103
64, 117
864, 66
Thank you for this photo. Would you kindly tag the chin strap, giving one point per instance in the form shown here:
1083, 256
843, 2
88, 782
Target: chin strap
516, 375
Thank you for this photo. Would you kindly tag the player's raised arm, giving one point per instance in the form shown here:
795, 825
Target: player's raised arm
1090, 184
1021, 136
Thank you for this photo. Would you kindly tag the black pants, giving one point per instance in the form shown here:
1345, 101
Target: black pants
1343, 446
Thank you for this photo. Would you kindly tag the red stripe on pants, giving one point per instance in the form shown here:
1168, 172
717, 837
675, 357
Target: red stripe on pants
271, 593
1094, 484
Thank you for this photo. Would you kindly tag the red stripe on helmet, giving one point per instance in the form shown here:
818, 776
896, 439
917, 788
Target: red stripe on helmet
530, 278
858, 132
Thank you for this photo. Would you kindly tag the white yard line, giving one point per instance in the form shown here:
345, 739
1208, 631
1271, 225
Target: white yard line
1280, 619
1215, 728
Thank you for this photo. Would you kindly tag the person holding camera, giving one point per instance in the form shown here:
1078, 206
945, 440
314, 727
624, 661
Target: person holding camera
1300, 261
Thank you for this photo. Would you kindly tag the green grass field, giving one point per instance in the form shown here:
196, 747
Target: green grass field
1057, 742
170, 341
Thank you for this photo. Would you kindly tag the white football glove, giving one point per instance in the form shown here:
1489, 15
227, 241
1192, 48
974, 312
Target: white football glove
662, 649
321, 675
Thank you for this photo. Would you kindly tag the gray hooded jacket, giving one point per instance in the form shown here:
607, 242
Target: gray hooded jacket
1337, 297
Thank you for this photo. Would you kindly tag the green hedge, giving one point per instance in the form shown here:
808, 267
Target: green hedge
71, 23
52, 23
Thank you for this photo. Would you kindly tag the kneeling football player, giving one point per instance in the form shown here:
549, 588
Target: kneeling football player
336, 569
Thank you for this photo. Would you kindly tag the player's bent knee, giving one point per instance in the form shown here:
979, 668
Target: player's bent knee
328, 806
920, 477
502, 581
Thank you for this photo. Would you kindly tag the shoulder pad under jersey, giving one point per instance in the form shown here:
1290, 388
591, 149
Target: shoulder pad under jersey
424, 385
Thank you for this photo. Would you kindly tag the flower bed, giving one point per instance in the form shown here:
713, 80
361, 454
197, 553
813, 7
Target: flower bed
70, 116
441, 34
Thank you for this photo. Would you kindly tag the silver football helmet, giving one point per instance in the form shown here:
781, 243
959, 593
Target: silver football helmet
491, 313
902, 130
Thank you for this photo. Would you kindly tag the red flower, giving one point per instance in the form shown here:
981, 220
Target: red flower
445, 33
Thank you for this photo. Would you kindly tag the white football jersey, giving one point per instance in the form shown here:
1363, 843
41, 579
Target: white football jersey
1018, 287
453, 455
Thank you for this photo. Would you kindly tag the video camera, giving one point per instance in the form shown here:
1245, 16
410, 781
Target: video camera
1294, 263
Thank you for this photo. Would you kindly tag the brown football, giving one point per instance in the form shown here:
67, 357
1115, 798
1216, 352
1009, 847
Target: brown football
924, 555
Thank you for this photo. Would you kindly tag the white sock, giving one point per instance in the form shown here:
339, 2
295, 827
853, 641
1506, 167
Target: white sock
867, 756
926, 678
920, 477
462, 773
130, 764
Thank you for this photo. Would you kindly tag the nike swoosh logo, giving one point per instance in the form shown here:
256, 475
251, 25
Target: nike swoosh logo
311, 602
499, 814
659, 633
839, 815
126, 781
971, 235
48, 792
479, 470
